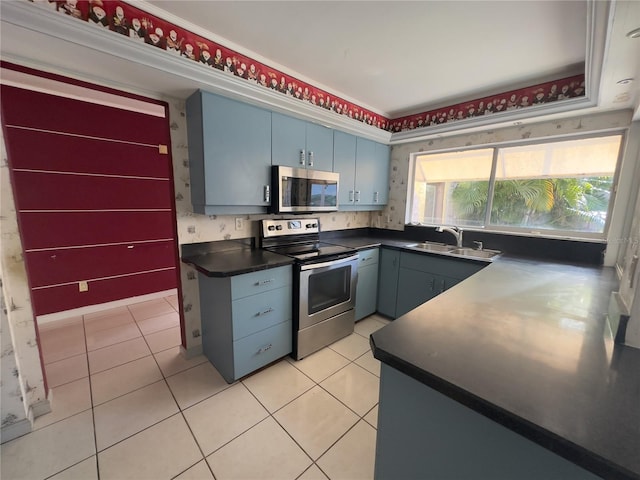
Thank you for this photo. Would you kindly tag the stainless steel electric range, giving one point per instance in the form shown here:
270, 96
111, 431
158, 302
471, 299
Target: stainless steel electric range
325, 278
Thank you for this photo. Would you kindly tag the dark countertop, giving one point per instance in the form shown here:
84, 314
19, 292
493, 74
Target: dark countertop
365, 242
526, 344
235, 262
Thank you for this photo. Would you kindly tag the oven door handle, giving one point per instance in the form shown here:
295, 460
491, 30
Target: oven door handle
331, 263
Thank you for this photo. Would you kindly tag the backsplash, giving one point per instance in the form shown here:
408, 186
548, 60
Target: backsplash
196, 228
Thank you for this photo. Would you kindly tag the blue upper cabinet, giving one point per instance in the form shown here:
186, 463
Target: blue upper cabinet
382, 160
344, 163
301, 144
364, 172
229, 155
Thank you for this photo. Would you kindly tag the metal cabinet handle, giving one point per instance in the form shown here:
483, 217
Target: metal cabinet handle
432, 284
265, 312
357, 195
265, 348
302, 157
264, 282
310, 159
267, 193
375, 197
442, 288
351, 195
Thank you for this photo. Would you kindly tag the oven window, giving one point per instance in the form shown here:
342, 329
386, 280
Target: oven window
329, 288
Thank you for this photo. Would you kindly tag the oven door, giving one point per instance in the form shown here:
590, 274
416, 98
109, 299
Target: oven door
326, 289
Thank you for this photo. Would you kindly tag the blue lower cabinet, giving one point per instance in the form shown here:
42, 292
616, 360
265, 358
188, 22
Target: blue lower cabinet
389, 268
243, 332
259, 349
408, 280
367, 288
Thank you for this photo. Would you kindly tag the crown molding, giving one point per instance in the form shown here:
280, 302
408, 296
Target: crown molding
60, 28
599, 18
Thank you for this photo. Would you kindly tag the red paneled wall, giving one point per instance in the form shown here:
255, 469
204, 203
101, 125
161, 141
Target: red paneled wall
94, 196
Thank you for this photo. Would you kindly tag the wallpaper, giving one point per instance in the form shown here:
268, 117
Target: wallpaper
195, 228
19, 313
12, 408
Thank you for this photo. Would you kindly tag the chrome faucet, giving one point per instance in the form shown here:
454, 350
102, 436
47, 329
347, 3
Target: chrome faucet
455, 231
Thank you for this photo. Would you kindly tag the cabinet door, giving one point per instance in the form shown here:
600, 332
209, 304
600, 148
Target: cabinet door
288, 137
415, 288
236, 144
365, 171
381, 174
388, 281
366, 291
319, 147
344, 163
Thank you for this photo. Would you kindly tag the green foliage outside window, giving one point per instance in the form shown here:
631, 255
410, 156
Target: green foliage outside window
557, 203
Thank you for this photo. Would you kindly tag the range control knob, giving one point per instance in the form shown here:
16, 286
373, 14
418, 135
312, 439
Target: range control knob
271, 228
278, 227
309, 225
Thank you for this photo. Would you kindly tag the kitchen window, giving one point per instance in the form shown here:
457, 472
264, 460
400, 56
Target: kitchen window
555, 188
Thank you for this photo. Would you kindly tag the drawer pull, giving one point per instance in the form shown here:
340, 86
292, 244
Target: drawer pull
265, 348
264, 282
265, 312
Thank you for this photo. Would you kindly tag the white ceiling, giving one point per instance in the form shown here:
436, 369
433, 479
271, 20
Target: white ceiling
401, 57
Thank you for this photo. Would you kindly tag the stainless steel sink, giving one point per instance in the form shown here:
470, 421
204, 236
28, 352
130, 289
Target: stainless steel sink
474, 253
432, 247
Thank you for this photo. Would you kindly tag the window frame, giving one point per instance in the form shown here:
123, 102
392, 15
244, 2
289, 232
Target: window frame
521, 231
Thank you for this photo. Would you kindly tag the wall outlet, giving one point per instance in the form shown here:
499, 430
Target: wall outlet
83, 286
239, 223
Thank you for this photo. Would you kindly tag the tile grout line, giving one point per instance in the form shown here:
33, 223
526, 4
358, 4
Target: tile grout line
181, 412
93, 414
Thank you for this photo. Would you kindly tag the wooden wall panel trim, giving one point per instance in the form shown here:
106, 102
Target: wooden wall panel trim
80, 83
56, 131
27, 108
51, 191
67, 297
54, 267
63, 229
83, 155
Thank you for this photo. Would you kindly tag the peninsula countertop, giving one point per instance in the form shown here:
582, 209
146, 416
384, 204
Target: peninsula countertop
525, 343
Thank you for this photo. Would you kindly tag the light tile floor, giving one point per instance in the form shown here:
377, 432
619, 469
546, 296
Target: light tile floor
127, 405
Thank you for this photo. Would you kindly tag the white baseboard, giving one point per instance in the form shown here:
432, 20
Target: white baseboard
15, 430
191, 351
38, 409
76, 312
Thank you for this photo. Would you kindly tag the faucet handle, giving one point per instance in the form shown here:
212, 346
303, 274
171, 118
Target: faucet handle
479, 245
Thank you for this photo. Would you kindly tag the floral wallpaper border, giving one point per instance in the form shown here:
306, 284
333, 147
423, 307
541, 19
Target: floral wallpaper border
122, 18
563, 89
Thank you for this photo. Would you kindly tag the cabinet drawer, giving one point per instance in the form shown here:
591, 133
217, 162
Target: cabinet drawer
255, 313
368, 257
262, 281
259, 349
449, 267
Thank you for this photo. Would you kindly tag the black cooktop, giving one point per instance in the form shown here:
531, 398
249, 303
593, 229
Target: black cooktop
312, 250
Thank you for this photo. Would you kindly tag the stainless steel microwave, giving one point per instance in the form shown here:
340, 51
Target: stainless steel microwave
298, 190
